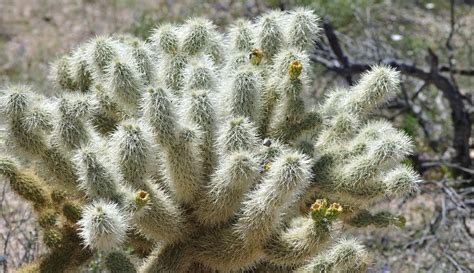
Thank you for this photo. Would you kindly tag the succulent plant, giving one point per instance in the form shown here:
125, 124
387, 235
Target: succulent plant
195, 152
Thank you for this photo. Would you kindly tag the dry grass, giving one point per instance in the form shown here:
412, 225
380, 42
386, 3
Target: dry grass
437, 237
35, 32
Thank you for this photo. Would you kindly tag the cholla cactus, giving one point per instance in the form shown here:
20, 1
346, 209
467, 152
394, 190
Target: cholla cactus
169, 156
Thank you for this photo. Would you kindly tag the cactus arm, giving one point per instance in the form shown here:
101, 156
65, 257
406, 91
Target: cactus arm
168, 258
119, 262
347, 255
299, 242
238, 172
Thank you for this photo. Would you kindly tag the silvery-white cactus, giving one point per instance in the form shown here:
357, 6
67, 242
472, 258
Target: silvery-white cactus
195, 152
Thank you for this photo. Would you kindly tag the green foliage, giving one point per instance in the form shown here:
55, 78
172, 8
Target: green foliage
340, 12
410, 125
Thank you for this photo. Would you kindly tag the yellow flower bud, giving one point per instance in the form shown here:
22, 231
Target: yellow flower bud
295, 69
319, 204
141, 199
256, 56
336, 207
333, 212
401, 221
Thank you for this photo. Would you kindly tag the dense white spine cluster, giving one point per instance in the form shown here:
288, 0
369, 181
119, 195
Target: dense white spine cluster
103, 226
196, 151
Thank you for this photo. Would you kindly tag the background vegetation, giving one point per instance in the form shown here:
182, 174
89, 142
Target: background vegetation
435, 108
